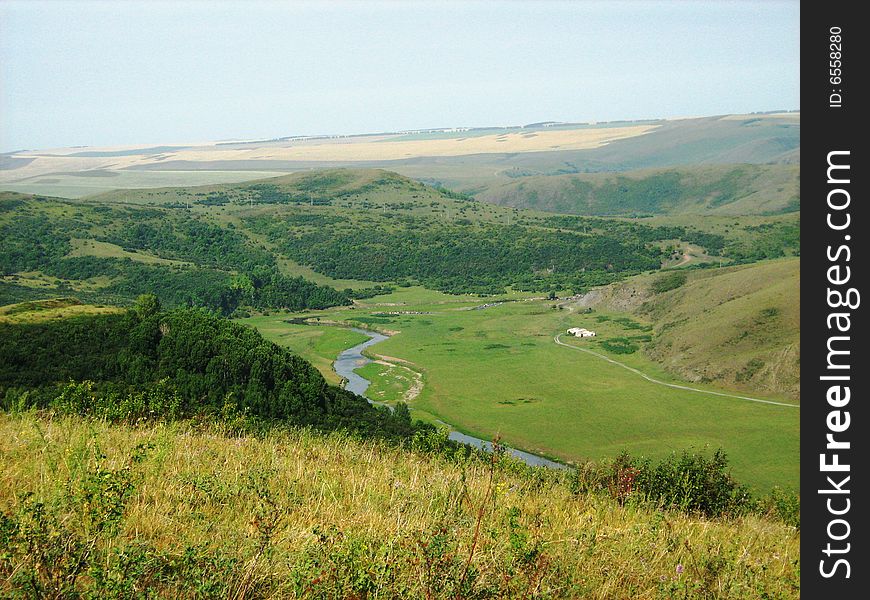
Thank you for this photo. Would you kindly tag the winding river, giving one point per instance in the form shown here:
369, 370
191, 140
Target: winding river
353, 358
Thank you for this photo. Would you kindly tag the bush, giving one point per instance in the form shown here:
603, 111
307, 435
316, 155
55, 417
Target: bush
783, 505
689, 482
619, 345
668, 281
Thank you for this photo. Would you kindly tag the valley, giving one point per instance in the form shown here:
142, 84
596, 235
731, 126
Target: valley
497, 371
472, 295
362, 300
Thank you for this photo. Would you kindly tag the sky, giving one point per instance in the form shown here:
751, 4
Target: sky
106, 73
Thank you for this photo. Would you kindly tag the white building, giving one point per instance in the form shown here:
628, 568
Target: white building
581, 332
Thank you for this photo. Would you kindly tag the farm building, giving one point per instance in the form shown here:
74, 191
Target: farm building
581, 332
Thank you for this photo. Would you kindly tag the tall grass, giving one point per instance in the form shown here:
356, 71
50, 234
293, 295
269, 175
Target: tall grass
189, 510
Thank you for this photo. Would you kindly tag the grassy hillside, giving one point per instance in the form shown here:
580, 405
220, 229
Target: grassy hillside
720, 190
183, 511
327, 186
111, 253
48, 310
737, 326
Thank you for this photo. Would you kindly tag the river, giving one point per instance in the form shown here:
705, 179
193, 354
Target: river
353, 358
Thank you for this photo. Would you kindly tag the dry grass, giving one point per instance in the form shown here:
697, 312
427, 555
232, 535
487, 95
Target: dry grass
568, 139
44, 310
353, 519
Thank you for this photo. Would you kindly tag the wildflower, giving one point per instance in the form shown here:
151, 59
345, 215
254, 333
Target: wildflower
679, 569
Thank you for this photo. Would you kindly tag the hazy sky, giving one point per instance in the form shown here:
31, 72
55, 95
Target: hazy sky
105, 73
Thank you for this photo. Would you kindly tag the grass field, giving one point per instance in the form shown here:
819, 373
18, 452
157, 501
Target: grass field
194, 512
390, 382
498, 371
106, 250
75, 185
43, 310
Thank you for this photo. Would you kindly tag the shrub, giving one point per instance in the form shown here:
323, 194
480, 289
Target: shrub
749, 371
668, 281
619, 345
689, 482
783, 505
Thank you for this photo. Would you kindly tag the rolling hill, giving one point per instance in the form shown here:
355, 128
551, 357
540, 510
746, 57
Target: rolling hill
717, 190
737, 326
464, 159
355, 234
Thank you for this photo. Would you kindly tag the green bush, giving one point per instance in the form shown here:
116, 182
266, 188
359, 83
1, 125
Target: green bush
689, 482
783, 505
619, 345
668, 281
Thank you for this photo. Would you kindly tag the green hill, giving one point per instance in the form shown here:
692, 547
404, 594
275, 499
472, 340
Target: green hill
241, 245
350, 233
737, 326
315, 188
720, 190
147, 364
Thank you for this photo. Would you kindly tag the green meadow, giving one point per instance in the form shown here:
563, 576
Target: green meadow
497, 371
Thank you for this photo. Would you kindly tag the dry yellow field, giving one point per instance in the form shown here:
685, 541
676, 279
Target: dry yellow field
342, 149
571, 139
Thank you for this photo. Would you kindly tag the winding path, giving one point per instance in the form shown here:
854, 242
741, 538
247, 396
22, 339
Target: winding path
670, 385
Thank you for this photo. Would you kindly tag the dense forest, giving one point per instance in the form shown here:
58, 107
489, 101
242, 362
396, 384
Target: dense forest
147, 363
459, 258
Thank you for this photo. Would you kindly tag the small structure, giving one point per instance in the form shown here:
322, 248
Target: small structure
581, 332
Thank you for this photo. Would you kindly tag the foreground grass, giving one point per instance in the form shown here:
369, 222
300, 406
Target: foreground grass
173, 510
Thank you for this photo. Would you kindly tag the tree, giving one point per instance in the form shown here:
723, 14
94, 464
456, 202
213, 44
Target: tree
146, 306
